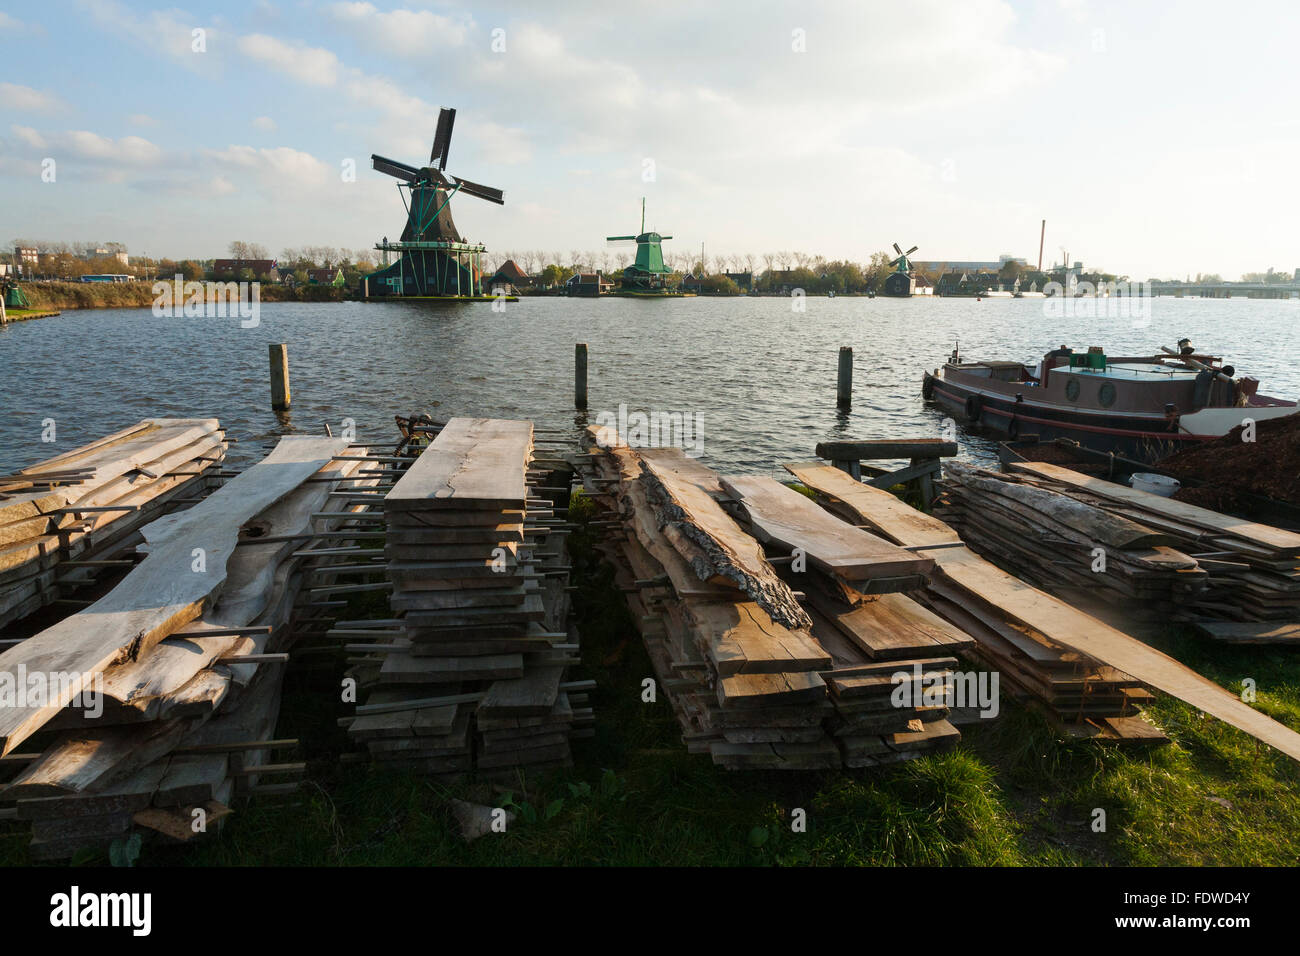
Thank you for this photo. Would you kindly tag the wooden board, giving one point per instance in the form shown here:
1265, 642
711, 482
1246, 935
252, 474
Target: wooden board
714, 545
162, 592
782, 517
474, 463
1276, 539
742, 638
887, 515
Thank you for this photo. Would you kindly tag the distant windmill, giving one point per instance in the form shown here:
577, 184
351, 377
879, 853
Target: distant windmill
648, 269
434, 259
900, 283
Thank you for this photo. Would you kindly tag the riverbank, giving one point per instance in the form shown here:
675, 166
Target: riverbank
47, 296
18, 315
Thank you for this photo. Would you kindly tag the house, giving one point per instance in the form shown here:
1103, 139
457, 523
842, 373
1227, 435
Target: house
960, 282
743, 279
589, 283
28, 259
692, 282
232, 268
325, 276
510, 275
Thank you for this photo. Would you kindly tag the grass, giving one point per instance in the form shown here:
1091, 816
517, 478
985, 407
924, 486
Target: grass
1010, 794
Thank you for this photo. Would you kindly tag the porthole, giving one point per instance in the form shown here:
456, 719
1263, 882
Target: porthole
1106, 395
1072, 390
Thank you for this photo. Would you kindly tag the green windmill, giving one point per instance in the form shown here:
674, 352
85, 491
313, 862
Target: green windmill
647, 273
901, 283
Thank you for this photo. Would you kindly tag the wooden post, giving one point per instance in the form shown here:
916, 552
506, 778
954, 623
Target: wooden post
580, 375
844, 386
279, 376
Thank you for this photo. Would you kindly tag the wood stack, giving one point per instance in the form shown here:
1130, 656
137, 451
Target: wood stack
1004, 612
473, 674
64, 520
185, 658
1066, 546
1081, 695
756, 679
1252, 570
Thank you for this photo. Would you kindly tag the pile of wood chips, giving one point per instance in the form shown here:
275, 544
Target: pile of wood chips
68, 519
759, 675
173, 677
473, 671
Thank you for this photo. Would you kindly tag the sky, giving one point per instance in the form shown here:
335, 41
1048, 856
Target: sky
1156, 139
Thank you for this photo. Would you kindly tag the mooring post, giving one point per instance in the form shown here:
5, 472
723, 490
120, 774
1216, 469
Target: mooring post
580, 375
844, 387
279, 376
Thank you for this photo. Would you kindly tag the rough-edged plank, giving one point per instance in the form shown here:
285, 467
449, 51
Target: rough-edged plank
474, 463
783, 517
161, 593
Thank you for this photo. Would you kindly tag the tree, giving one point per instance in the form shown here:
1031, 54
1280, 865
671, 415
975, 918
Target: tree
191, 270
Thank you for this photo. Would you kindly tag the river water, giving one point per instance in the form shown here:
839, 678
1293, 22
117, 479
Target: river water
757, 376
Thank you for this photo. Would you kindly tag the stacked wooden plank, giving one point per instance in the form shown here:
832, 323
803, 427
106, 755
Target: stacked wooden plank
473, 674
1252, 569
757, 680
1004, 614
62, 518
1067, 546
184, 659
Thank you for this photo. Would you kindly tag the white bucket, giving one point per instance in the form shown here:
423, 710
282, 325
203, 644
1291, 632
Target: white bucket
1155, 484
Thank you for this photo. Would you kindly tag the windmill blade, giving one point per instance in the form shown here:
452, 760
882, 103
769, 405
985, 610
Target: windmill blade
898, 250
910, 251
620, 238
490, 193
442, 138
393, 168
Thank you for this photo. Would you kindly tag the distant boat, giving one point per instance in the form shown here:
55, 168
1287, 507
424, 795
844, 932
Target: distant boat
1145, 407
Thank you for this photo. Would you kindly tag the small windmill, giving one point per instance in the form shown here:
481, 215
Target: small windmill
434, 259
647, 271
901, 283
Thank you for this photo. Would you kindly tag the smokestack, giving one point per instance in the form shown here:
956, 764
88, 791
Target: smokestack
1041, 236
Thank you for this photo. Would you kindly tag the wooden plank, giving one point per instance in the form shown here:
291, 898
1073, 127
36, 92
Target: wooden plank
160, 594
1250, 632
782, 517
1074, 628
742, 638
887, 515
1093, 523
885, 449
1275, 539
715, 547
474, 463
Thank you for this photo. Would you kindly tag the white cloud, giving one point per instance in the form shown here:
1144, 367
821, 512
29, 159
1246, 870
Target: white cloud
402, 32
221, 186
168, 32
264, 123
311, 65
141, 119
277, 168
85, 145
16, 97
